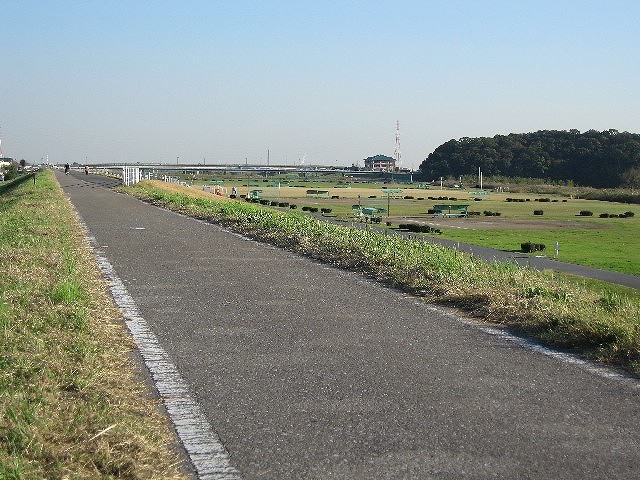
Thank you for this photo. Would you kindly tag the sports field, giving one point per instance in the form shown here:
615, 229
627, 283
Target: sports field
497, 220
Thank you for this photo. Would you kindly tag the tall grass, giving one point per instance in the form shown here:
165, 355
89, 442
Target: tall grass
70, 406
540, 304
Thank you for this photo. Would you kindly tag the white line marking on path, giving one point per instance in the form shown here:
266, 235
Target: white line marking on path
563, 357
208, 455
601, 371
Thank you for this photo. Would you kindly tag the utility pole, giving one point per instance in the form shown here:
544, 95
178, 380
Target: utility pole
397, 155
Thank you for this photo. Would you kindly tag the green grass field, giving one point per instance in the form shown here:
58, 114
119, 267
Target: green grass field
614, 248
604, 243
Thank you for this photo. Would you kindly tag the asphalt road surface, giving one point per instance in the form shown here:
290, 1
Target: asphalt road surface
308, 372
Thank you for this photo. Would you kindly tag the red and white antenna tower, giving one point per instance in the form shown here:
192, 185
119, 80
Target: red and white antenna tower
397, 155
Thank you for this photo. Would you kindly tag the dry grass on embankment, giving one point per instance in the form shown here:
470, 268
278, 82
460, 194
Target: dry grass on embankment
599, 323
72, 406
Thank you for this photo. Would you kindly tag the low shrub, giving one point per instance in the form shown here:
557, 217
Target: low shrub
489, 213
408, 197
628, 214
604, 215
418, 228
529, 247
538, 212
283, 204
325, 210
586, 213
265, 202
293, 206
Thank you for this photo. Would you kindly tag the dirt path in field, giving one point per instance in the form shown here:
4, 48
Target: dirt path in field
498, 223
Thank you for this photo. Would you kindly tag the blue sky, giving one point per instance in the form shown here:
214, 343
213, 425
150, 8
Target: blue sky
225, 81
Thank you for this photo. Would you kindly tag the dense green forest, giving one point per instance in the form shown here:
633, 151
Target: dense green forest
597, 159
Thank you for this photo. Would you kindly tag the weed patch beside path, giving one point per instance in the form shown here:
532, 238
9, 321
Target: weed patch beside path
605, 326
71, 406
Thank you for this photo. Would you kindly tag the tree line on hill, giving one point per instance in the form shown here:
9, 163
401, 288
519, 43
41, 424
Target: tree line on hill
597, 159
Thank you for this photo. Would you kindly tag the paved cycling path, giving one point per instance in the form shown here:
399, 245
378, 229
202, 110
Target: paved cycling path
307, 372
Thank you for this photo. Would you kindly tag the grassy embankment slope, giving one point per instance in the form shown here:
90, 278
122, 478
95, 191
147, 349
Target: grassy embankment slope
70, 403
587, 317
